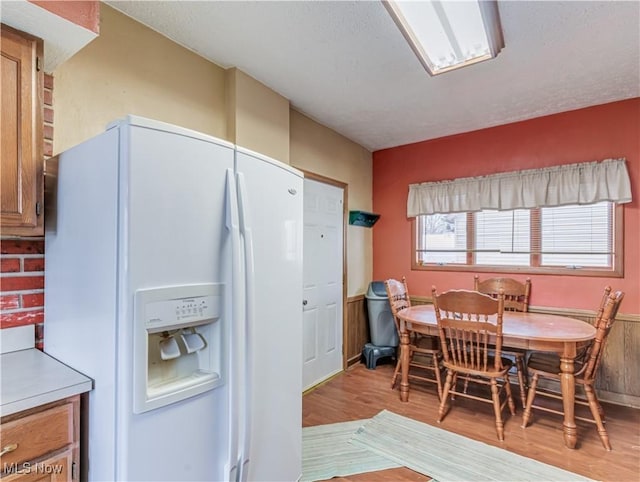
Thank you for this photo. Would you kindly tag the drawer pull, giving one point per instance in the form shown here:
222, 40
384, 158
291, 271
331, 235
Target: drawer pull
8, 449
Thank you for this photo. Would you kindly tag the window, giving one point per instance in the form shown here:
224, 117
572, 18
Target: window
444, 238
573, 239
577, 236
502, 237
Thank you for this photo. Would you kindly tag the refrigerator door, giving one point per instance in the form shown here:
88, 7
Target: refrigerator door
173, 196
271, 204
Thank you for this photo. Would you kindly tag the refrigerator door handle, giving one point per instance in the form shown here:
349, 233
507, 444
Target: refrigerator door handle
236, 328
247, 235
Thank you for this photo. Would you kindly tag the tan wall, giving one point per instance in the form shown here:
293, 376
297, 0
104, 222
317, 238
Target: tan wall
130, 69
257, 117
323, 151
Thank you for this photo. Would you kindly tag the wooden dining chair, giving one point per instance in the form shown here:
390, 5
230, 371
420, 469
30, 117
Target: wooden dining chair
468, 322
426, 346
516, 298
546, 366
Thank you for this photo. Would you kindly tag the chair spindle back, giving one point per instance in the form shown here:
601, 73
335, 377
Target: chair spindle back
516, 294
398, 295
605, 319
469, 323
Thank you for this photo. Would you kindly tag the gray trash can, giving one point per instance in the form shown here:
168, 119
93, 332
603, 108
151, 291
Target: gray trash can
381, 324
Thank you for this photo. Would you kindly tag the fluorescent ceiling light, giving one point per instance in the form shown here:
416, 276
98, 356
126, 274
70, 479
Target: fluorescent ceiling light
447, 35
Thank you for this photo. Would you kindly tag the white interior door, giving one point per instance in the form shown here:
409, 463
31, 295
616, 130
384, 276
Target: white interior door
323, 284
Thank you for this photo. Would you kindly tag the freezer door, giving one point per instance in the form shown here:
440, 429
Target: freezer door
81, 280
173, 233
271, 195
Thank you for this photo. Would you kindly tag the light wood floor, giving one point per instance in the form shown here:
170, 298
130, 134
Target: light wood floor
361, 393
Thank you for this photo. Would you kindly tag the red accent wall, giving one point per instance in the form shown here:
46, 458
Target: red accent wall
591, 134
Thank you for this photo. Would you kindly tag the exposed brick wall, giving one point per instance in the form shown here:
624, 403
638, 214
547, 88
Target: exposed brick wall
22, 260
22, 295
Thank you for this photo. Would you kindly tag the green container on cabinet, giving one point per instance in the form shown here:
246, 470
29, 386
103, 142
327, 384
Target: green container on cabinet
362, 218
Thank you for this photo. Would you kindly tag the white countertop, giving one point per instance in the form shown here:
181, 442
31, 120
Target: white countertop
30, 378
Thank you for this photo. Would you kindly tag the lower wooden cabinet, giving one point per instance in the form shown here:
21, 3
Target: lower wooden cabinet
55, 469
41, 444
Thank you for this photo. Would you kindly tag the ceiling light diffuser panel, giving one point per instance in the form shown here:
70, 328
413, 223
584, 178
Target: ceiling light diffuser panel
447, 35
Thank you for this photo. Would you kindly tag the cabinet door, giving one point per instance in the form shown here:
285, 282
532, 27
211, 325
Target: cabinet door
21, 153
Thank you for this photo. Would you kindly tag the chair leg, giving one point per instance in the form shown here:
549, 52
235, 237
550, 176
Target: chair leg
436, 369
594, 405
526, 416
495, 395
600, 409
396, 372
454, 385
444, 402
521, 379
507, 387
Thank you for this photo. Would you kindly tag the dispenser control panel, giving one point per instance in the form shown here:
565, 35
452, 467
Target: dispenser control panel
181, 309
177, 343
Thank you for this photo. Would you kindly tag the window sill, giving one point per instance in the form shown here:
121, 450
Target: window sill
557, 271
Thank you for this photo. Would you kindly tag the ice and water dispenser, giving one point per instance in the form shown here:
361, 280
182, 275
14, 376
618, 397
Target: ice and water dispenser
177, 343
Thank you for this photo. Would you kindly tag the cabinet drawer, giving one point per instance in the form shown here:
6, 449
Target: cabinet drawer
54, 469
37, 434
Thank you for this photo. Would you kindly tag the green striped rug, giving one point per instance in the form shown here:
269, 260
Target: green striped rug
326, 453
389, 440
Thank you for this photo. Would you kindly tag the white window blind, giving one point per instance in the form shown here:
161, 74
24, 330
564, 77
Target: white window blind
502, 237
577, 236
568, 237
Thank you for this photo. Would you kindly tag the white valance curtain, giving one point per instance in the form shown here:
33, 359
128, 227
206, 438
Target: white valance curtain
583, 183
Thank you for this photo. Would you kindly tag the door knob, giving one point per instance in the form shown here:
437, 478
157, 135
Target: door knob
304, 302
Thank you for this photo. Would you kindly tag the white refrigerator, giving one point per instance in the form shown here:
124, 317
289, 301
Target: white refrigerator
173, 278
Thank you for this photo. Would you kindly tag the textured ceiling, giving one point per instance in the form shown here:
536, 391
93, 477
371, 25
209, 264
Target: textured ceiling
346, 65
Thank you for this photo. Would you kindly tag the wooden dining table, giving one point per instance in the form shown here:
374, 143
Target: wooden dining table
529, 331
